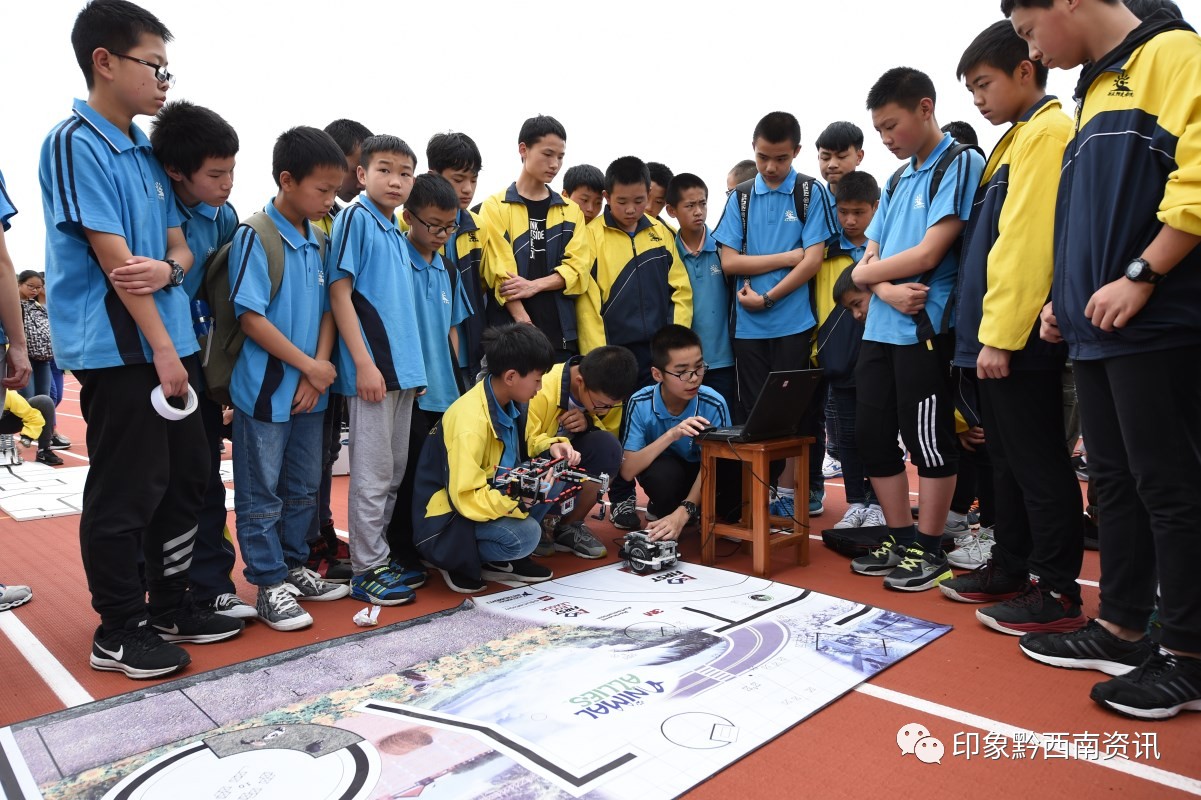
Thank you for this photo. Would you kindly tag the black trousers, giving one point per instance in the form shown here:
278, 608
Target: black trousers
1038, 512
1141, 416
143, 492
400, 527
668, 478
213, 558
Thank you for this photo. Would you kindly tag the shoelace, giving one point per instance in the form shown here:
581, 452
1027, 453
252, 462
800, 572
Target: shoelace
884, 548
1031, 597
282, 599
227, 600
912, 559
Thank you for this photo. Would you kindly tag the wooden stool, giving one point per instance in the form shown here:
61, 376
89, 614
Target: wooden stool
757, 522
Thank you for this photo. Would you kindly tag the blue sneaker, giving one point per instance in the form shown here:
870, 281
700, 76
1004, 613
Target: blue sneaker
412, 576
816, 496
382, 587
782, 506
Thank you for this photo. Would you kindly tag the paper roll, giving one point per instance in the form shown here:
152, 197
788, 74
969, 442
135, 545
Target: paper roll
168, 411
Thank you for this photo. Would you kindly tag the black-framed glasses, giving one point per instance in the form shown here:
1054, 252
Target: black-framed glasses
689, 374
436, 229
160, 72
601, 406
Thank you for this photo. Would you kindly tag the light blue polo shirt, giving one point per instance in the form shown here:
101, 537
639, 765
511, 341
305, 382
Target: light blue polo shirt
506, 420
855, 251
206, 228
647, 418
437, 308
262, 385
710, 301
773, 227
94, 176
371, 251
901, 223
7, 212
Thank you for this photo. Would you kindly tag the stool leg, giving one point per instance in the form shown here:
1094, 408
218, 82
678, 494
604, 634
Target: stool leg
708, 502
802, 479
760, 516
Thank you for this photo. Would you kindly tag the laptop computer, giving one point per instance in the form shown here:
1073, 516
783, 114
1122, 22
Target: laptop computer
778, 409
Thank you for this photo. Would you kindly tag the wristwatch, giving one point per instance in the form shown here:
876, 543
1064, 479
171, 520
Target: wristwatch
767, 301
1140, 271
694, 513
176, 272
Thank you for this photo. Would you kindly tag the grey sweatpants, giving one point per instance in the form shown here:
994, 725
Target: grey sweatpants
379, 447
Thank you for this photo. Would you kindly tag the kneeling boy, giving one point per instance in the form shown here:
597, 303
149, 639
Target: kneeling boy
462, 525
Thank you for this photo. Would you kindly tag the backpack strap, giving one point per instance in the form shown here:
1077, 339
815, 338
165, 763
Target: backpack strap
743, 191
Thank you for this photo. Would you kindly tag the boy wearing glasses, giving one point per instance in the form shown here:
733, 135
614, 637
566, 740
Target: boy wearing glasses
580, 403
441, 304
380, 365
659, 429
115, 262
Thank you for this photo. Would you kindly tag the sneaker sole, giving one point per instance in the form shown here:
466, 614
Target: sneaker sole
1150, 713
500, 577
1108, 667
199, 638
930, 583
874, 571
1021, 628
562, 548
293, 624
975, 597
239, 612
15, 603
380, 601
341, 590
624, 527
456, 588
109, 665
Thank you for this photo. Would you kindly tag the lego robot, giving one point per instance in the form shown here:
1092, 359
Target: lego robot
533, 482
641, 554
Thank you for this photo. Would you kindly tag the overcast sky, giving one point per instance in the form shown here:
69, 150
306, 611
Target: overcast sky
679, 82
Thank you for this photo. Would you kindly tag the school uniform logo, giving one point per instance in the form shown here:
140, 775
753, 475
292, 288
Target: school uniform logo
445, 299
715, 269
790, 216
917, 203
158, 187
1121, 86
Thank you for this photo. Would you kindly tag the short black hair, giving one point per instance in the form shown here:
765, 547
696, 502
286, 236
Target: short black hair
611, 370
857, 186
348, 134
384, 143
627, 170
660, 173
668, 338
300, 150
28, 274
583, 175
115, 25
1007, 6
1000, 47
839, 136
535, 128
744, 170
431, 190
778, 127
454, 151
961, 132
1145, 8
904, 86
845, 284
517, 346
184, 134
682, 183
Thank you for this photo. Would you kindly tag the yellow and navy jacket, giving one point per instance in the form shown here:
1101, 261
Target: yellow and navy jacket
542, 414
507, 249
453, 490
1007, 263
839, 335
641, 284
465, 254
32, 421
1133, 166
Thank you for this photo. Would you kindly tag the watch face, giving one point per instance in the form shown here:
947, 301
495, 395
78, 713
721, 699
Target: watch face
1134, 270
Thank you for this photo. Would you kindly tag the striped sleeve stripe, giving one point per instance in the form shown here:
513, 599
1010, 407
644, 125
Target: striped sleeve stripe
345, 235
63, 152
248, 237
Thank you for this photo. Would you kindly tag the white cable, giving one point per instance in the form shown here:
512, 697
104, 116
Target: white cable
168, 411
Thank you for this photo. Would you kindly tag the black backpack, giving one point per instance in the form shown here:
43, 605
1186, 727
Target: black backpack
925, 328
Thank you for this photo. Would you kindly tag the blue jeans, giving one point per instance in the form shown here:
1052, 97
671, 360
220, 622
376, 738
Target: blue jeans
41, 380
277, 468
507, 539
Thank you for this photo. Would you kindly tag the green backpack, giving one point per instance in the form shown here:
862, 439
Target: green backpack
225, 338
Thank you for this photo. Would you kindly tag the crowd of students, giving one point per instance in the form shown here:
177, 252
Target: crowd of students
460, 341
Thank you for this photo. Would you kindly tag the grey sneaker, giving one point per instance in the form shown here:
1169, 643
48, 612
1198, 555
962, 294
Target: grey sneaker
277, 607
882, 560
13, 596
574, 537
957, 524
972, 550
308, 585
918, 571
624, 515
230, 605
546, 545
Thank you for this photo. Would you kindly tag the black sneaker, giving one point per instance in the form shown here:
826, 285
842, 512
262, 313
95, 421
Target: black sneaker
521, 569
1036, 610
919, 571
463, 584
985, 584
1091, 647
59, 442
49, 458
137, 651
882, 560
624, 515
412, 575
1162, 687
191, 623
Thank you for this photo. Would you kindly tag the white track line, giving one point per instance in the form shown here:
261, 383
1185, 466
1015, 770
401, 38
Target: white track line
1133, 768
65, 414
56, 676
72, 455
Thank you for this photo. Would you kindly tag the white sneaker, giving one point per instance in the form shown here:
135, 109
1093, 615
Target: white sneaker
974, 552
873, 517
831, 467
854, 516
230, 605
